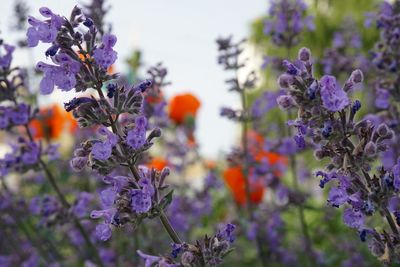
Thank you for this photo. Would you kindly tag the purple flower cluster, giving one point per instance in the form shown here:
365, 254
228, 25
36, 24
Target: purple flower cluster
384, 57
45, 31
67, 39
14, 116
327, 121
345, 55
286, 20
208, 252
61, 75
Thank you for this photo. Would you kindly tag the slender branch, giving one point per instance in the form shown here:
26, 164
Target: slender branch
249, 204
303, 223
245, 170
391, 222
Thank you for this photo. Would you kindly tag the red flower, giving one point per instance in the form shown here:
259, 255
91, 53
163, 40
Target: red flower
157, 163
51, 123
183, 106
234, 178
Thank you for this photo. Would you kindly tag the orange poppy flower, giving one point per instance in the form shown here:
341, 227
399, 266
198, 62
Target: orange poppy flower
210, 164
234, 178
157, 163
183, 105
51, 123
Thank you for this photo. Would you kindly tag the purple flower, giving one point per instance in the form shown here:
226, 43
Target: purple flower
4, 117
141, 201
103, 231
300, 141
333, 97
106, 214
5, 59
20, 115
382, 98
396, 175
31, 154
62, 75
118, 182
111, 137
353, 219
326, 177
149, 259
81, 205
337, 196
265, 103
108, 197
102, 150
105, 56
227, 233
45, 31
136, 137
394, 204
52, 151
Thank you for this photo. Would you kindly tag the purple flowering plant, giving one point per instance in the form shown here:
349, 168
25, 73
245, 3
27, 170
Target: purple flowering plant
134, 193
313, 180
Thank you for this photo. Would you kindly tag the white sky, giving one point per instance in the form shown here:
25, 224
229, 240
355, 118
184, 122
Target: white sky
181, 34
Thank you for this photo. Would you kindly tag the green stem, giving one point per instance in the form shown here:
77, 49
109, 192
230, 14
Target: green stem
303, 223
245, 170
249, 204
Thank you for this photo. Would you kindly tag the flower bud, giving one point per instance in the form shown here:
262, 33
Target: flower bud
304, 54
356, 106
154, 134
285, 101
382, 130
370, 149
80, 152
78, 163
187, 258
377, 248
285, 81
357, 76
319, 154
164, 173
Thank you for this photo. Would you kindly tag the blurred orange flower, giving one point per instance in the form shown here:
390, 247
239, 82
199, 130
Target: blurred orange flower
51, 123
183, 105
157, 163
234, 178
210, 164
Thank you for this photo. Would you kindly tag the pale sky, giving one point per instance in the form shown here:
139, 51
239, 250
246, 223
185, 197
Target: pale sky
181, 34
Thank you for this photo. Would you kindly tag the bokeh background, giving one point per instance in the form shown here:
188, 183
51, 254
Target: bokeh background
179, 33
